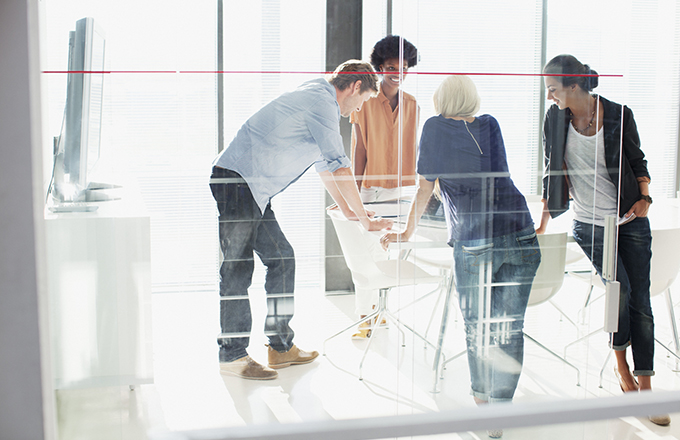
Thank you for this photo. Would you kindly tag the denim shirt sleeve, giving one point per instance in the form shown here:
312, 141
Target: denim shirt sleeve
323, 121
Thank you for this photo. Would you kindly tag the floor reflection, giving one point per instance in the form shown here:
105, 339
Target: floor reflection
190, 394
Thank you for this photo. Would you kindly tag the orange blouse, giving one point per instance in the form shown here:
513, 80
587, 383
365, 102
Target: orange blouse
380, 132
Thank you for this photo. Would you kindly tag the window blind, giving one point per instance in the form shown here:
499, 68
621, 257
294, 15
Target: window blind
464, 37
640, 40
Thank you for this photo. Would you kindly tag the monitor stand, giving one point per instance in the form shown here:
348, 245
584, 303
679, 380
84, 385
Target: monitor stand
93, 192
95, 195
98, 185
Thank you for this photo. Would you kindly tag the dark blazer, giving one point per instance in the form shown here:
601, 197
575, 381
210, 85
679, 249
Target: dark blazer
633, 163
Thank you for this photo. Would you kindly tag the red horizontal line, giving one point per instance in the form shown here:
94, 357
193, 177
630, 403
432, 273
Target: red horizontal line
316, 72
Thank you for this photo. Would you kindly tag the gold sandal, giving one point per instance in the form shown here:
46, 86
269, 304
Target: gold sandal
363, 333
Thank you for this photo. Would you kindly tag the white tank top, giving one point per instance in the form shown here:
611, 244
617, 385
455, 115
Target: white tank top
595, 195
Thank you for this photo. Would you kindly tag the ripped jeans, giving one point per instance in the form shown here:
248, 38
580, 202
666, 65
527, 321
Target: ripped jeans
493, 279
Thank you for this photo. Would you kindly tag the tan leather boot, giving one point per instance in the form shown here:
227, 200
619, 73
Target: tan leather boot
294, 356
247, 368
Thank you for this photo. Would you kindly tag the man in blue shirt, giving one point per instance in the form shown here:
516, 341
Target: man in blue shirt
271, 151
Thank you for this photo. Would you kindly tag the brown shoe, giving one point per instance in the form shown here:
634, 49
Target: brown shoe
247, 368
661, 420
294, 356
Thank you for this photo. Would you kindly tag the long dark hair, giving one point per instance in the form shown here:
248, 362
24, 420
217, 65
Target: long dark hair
569, 65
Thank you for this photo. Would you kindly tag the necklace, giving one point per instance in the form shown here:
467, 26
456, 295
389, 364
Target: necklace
583, 132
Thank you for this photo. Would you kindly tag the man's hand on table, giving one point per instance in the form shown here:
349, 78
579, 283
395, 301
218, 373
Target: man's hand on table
379, 223
375, 224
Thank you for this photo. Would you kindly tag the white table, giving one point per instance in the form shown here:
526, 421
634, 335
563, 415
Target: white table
99, 281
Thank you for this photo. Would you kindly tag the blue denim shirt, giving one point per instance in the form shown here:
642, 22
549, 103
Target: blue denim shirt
282, 140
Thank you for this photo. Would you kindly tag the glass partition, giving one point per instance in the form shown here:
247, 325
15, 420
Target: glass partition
473, 177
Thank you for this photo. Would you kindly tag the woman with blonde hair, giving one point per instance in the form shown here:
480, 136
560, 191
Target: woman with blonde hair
495, 248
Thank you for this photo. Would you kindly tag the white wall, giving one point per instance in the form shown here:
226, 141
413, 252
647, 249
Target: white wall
26, 396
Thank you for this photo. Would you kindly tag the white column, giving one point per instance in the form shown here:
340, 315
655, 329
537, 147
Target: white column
26, 396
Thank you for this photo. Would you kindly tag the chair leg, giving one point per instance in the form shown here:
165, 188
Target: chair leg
675, 355
578, 372
370, 340
399, 324
436, 366
562, 313
604, 365
354, 324
443, 286
419, 299
582, 338
674, 325
582, 311
382, 312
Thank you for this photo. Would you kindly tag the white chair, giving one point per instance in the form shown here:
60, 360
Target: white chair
665, 266
371, 269
442, 260
548, 281
438, 258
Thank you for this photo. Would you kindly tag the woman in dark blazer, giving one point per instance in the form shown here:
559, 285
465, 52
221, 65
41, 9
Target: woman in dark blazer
593, 161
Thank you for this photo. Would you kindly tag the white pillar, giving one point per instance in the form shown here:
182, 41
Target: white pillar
26, 395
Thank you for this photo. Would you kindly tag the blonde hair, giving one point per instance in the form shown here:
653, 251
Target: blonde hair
456, 96
352, 71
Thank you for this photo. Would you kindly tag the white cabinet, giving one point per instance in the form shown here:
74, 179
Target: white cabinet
99, 283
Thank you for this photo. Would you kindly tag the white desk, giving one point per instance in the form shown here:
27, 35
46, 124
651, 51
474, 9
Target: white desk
99, 284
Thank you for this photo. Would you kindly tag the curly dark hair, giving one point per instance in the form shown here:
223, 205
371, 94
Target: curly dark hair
388, 48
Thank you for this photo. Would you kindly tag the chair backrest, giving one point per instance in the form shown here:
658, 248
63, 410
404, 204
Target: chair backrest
369, 263
665, 259
550, 274
361, 249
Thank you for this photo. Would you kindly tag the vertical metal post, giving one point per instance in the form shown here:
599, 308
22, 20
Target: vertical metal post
541, 93
388, 19
612, 287
220, 76
343, 42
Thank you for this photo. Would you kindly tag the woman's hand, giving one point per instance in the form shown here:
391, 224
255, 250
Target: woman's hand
392, 237
640, 208
545, 218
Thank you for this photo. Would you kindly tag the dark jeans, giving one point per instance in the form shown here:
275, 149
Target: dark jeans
633, 267
244, 231
493, 279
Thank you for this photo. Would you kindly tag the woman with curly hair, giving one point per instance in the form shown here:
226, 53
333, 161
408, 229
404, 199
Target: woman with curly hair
381, 163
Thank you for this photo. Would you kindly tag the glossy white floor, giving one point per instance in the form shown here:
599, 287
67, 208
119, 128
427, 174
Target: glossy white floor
190, 394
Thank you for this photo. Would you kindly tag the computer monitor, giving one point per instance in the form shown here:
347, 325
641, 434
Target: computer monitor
77, 147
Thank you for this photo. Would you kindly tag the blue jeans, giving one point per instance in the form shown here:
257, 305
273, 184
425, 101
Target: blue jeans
633, 267
244, 230
493, 279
